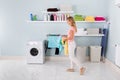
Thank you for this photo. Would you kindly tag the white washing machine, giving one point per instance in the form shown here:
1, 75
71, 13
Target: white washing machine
35, 52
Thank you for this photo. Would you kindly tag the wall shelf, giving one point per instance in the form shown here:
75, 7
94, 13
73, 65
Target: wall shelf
64, 21
91, 22
90, 35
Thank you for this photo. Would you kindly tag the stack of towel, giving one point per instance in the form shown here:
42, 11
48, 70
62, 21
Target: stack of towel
90, 18
78, 18
99, 18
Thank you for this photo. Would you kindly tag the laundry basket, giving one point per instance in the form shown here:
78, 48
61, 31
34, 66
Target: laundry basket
95, 53
81, 53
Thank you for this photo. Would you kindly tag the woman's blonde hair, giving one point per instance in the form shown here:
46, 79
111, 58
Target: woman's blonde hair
71, 20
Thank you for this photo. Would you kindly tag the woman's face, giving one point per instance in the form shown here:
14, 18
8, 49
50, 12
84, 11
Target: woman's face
69, 23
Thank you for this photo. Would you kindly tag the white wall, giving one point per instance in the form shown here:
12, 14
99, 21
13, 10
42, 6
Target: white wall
15, 31
114, 30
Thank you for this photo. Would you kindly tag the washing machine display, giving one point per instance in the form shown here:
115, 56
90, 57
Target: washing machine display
34, 52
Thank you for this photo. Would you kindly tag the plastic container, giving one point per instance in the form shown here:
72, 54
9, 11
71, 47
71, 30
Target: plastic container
95, 53
35, 18
65, 16
51, 17
62, 17
45, 17
31, 17
93, 30
48, 17
81, 53
55, 17
58, 18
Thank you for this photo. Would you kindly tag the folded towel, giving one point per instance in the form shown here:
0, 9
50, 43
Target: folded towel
90, 18
98, 18
78, 18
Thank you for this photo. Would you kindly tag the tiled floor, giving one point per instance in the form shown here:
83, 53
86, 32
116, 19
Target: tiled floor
51, 70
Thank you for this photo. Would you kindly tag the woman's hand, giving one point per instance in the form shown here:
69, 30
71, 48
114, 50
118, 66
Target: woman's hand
64, 38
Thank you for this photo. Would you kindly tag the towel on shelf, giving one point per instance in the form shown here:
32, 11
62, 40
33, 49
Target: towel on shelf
90, 18
99, 18
78, 18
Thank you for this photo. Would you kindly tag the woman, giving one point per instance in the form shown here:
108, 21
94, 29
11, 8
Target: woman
72, 46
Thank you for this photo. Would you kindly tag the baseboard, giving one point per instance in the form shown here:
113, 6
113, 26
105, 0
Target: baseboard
12, 57
56, 58
112, 65
47, 58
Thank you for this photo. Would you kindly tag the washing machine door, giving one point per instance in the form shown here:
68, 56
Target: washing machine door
34, 51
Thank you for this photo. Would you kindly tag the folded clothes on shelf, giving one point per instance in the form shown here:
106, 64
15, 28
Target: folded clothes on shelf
52, 9
90, 18
78, 18
99, 18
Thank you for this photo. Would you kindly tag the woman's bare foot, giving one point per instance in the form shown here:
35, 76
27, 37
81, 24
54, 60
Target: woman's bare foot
82, 70
70, 70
